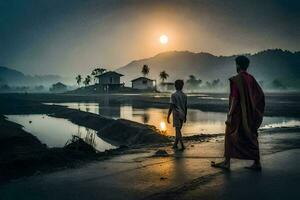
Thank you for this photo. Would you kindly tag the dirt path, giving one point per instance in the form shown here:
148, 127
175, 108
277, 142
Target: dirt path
186, 175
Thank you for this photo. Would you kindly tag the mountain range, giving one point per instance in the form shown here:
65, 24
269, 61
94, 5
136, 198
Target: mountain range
267, 66
272, 68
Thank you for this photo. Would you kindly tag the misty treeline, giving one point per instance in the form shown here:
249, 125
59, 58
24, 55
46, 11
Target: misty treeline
196, 84
192, 83
56, 87
24, 88
5, 87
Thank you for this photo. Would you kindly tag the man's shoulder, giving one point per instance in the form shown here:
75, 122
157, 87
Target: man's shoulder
234, 77
241, 74
250, 75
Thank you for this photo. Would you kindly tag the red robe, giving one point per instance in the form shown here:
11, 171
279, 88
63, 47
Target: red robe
241, 135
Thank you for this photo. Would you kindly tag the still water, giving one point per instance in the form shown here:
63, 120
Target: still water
197, 120
55, 132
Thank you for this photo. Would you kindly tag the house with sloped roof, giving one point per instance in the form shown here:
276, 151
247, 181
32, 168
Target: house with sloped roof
143, 83
167, 87
110, 81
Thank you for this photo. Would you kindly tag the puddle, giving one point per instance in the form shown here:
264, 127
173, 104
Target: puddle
55, 132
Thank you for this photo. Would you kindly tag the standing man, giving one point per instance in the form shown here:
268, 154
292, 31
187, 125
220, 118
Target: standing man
178, 106
246, 109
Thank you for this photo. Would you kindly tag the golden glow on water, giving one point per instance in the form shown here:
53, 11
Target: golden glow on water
198, 122
163, 127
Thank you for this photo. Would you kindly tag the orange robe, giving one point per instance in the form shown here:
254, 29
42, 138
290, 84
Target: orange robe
241, 135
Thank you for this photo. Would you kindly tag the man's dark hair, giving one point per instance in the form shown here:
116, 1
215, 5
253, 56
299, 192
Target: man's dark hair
179, 84
242, 62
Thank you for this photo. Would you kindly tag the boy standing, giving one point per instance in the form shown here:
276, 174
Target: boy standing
178, 106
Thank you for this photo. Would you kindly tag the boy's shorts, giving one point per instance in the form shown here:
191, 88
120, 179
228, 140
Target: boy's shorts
177, 123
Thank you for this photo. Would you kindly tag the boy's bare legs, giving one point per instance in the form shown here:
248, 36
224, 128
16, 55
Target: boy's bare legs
178, 138
182, 145
175, 143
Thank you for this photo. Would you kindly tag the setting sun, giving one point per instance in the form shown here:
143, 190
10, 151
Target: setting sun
163, 39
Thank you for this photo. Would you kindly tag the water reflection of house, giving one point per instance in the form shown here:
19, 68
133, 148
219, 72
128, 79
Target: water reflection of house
109, 108
110, 81
167, 87
143, 83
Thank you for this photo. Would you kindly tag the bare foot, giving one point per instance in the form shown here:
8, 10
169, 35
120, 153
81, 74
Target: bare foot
174, 147
182, 149
255, 167
222, 165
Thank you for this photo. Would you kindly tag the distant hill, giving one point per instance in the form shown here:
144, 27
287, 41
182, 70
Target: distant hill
267, 66
15, 78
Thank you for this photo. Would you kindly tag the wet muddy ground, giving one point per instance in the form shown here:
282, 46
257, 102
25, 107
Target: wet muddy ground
180, 175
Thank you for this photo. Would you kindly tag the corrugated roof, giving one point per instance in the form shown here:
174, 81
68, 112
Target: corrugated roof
142, 78
110, 72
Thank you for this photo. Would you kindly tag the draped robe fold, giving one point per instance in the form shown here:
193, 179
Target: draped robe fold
241, 137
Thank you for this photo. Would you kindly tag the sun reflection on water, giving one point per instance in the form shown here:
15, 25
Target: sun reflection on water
197, 121
163, 127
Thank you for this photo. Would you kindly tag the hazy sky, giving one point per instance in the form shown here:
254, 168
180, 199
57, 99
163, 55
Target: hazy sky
71, 37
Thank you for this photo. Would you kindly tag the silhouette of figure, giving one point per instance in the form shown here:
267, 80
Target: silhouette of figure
246, 108
178, 106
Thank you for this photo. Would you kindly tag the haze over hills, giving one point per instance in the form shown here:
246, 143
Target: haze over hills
13, 77
266, 66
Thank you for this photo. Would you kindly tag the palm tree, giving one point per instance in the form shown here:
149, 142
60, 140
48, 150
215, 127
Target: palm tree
145, 70
163, 76
87, 80
97, 71
193, 83
78, 79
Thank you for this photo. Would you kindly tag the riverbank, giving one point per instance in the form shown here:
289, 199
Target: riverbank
119, 132
277, 104
22, 154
